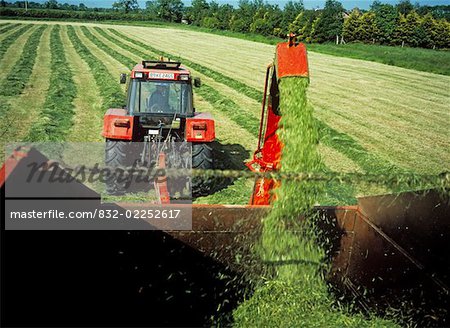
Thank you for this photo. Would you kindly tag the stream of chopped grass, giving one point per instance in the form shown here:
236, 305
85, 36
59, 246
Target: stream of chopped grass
295, 292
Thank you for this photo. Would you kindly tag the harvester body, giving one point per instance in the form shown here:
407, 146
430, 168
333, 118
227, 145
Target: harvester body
290, 61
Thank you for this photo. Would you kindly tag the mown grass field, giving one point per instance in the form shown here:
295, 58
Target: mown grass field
59, 78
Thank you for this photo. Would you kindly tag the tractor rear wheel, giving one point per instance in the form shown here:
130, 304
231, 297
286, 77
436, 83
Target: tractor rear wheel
202, 159
116, 156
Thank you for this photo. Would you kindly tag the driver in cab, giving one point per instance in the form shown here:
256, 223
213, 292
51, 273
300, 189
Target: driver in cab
159, 100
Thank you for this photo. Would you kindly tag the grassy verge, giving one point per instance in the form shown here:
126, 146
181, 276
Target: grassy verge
110, 90
9, 40
425, 60
16, 82
56, 118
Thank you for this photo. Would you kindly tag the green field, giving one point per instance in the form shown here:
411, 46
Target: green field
374, 118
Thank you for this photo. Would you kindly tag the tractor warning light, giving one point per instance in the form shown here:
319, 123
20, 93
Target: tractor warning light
139, 75
184, 77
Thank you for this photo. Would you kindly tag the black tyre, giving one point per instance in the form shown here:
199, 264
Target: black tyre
115, 157
202, 159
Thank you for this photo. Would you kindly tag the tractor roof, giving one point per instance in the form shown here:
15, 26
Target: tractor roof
161, 66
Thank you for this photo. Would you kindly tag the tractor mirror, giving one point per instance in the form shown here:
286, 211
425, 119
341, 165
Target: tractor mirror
123, 78
197, 82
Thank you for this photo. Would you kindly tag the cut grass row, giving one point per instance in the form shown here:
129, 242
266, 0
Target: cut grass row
110, 90
56, 118
26, 107
9, 40
88, 119
17, 80
121, 58
7, 27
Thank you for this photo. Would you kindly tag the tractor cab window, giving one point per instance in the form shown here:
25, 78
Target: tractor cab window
164, 97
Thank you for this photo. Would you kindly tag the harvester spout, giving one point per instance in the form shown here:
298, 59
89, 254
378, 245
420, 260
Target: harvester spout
290, 61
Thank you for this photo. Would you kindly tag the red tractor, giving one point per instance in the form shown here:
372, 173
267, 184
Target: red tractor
159, 111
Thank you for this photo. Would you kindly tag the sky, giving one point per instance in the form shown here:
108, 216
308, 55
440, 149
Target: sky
309, 4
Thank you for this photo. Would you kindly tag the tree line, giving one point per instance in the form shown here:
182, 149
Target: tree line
400, 24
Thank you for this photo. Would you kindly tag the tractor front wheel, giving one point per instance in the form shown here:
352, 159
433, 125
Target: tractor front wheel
115, 157
202, 159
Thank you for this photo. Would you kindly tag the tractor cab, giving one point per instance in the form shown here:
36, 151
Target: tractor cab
160, 88
159, 112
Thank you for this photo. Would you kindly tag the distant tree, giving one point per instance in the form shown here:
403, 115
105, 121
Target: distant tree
386, 21
290, 12
237, 24
51, 4
442, 34
126, 5
197, 11
246, 11
352, 26
266, 19
405, 7
82, 6
211, 22
400, 35
429, 28
2, 3
329, 24
367, 28
224, 15
414, 33
302, 25
170, 10
375, 5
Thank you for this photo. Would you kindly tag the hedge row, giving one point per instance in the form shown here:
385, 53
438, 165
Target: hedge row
55, 121
10, 39
70, 14
110, 90
16, 81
